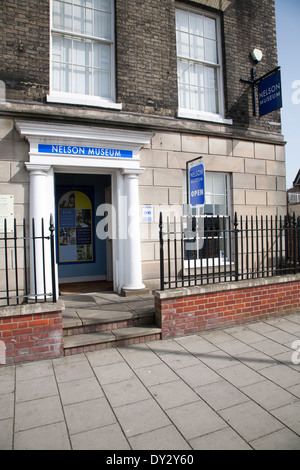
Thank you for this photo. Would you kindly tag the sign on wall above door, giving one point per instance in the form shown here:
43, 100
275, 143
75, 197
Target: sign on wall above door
80, 151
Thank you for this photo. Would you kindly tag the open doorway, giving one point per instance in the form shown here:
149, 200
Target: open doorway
84, 260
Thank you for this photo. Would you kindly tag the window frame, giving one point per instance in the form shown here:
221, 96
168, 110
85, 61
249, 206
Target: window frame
78, 98
200, 114
199, 213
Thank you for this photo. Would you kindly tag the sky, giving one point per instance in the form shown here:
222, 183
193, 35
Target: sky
288, 42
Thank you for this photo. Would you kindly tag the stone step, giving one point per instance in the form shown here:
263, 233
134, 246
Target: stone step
79, 343
89, 321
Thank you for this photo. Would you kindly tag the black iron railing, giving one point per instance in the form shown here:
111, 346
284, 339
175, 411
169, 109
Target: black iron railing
27, 269
210, 249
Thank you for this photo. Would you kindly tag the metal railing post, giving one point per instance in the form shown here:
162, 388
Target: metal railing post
52, 248
236, 248
161, 247
295, 243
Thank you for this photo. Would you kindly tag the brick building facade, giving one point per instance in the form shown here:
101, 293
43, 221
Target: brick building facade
110, 98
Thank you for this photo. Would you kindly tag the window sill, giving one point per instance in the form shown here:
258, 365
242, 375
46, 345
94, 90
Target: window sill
201, 116
212, 263
85, 100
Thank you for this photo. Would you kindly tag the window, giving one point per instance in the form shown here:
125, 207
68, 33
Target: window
294, 198
82, 52
199, 66
213, 218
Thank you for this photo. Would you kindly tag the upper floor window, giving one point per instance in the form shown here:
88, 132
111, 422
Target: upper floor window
200, 85
82, 52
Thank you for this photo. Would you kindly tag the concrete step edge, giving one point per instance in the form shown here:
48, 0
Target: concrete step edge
112, 336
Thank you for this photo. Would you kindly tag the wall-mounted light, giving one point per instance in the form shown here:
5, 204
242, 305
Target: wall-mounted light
256, 55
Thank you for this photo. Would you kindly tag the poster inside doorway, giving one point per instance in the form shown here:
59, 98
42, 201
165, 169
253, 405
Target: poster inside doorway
75, 225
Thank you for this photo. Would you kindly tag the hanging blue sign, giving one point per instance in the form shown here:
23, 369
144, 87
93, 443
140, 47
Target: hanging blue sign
270, 94
197, 185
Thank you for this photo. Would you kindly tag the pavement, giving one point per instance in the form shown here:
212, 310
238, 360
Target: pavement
237, 388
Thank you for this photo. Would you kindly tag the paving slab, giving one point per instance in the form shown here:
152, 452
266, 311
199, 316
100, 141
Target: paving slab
269, 395
222, 439
196, 419
38, 412
220, 395
142, 417
50, 437
107, 438
164, 439
250, 421
284, 439
88, 415
76, 391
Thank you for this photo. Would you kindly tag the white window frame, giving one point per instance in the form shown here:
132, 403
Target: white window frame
77, 98
198, 212
198, 114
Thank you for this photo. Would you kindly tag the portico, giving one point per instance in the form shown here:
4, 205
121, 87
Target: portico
62, 149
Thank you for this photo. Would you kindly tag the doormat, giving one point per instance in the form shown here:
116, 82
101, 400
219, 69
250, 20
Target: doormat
85, 287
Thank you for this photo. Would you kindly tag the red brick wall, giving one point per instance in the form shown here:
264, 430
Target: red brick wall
32, 337
188, 314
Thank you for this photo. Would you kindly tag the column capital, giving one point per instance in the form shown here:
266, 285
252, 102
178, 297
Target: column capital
132, 173
38, 169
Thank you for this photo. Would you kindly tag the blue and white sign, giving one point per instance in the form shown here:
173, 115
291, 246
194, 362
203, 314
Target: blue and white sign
270, 94
147, 214
197, 185
78, 151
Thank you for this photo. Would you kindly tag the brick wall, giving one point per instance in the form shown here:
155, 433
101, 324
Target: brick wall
25, 71
146, 56
146, 63
31, 335
182, 312
247, 25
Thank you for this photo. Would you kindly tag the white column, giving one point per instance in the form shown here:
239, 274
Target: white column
40, 204
133, 261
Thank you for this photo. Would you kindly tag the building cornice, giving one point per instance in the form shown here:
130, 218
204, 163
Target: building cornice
132, 121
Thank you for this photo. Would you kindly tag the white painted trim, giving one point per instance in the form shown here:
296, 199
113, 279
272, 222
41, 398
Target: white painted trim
202, 116
73, 98
106, 136
87, 100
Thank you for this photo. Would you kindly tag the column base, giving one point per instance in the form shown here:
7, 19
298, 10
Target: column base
128, 292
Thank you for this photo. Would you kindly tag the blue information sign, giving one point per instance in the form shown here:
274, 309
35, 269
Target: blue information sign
270, 94
197, 185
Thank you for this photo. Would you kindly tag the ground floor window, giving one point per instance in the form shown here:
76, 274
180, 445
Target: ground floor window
207, 236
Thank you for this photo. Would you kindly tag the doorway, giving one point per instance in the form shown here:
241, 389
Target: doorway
84, 260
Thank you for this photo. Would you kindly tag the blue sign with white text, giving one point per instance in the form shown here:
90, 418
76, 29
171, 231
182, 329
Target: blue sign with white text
270, 94
75, 150
197, 185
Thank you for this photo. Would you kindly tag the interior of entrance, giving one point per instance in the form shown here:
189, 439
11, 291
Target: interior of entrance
84, 260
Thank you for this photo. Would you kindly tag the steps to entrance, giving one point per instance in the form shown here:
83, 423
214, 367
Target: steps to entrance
100, 321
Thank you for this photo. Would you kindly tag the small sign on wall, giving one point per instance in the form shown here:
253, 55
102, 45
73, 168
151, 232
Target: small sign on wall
147, 214
6, 212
